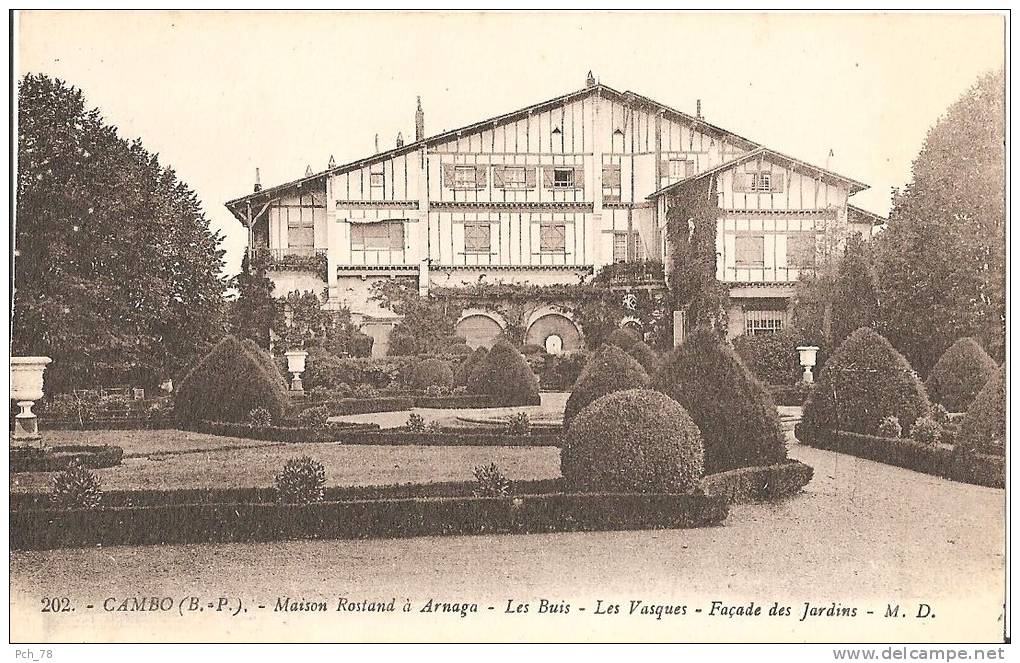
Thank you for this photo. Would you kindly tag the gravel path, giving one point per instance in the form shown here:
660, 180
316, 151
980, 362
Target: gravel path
863, 535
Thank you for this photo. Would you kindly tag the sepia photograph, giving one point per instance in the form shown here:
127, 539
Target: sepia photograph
509, 327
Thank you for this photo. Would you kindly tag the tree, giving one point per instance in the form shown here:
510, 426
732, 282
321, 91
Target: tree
427, 323
253, 312
854, 292
116, 271
941, 261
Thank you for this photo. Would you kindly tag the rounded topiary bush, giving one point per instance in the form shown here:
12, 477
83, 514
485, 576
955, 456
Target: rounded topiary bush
227, 384
636, 440
872, 381
624, 337
983, 428
323, 370
738, 420
610, 369
959, 375
648, 358
507, 378
430, 373
469, 368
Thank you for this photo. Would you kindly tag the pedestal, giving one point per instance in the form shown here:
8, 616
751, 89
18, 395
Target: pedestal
808, 377
26, 424
296, 386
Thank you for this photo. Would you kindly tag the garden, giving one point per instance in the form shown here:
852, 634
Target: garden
644, 442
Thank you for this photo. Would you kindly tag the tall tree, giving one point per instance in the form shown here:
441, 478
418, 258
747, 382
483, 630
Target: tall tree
116, 271
941, 262
254, 311
854, 292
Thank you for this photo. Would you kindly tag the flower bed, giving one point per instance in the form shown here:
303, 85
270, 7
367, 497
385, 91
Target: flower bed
753, 484
42, 529
942, 461
332, 432
56, 459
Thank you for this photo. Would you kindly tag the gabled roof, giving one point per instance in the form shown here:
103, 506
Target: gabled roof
875, 219
631, 98
771, 155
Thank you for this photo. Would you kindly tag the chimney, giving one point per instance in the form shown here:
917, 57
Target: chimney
829, 158
332, 162
377, 143
419, 123
308, 170
697, 113
258, 184
590, 82
400, 139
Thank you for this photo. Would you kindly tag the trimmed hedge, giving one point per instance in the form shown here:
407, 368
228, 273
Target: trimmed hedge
332, 432
56, 459
739, 423
636, 440
227, 384
623, 338
129, 423
648, 358
507, 378
872, 380
983, 428
430, 373
611, 369
466, 401
344, 406
942, 461
755, 484
200, 523
448, 438
959, 375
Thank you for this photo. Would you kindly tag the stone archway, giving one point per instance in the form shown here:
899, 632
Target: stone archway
479, 328
553, 323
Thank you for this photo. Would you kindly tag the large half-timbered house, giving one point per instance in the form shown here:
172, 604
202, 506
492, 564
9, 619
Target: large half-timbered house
548, 194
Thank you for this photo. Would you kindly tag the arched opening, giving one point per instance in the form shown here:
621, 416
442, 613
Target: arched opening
478, 330
556, 325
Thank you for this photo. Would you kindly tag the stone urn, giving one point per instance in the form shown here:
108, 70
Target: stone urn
296, 366
26, 389
808, 357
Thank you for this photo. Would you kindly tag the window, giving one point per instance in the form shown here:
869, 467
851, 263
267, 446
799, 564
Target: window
800, 250
639, 247
300, 228
464, 177
552, 238
611, 183
375, 180
563, 178
515, 177
757, 323
619, 247
681, 168
750, 251
378, 236
761, 182
477, 238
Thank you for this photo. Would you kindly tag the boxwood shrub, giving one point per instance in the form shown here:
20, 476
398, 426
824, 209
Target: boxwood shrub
610, 369
872, 381
507, 378
266, 358
772, 358
738, 420
636, 440
983, 429
959, 375
623, 338
470, 369
648, 358
429, 373
227, 384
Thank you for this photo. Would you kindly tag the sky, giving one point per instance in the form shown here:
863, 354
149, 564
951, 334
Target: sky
217, 94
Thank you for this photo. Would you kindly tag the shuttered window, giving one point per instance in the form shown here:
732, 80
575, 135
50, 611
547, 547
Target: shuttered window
513, 177
300, 227
759, 182
552, 238
801, 249
464, 177
619, 247
563, 177
750, 251
678, 169
379, 236
477, 238
611, 183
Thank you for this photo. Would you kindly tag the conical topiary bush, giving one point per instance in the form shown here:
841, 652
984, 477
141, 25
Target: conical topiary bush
959, 375
983, 428
226, 385
610, 369
739, 422
648, 358
507, 378
863, 382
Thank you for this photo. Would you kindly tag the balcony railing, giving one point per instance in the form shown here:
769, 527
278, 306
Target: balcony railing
296, 258
642, 272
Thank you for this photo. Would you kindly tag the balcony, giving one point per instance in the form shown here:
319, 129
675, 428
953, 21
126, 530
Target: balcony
297, 259
648, 273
